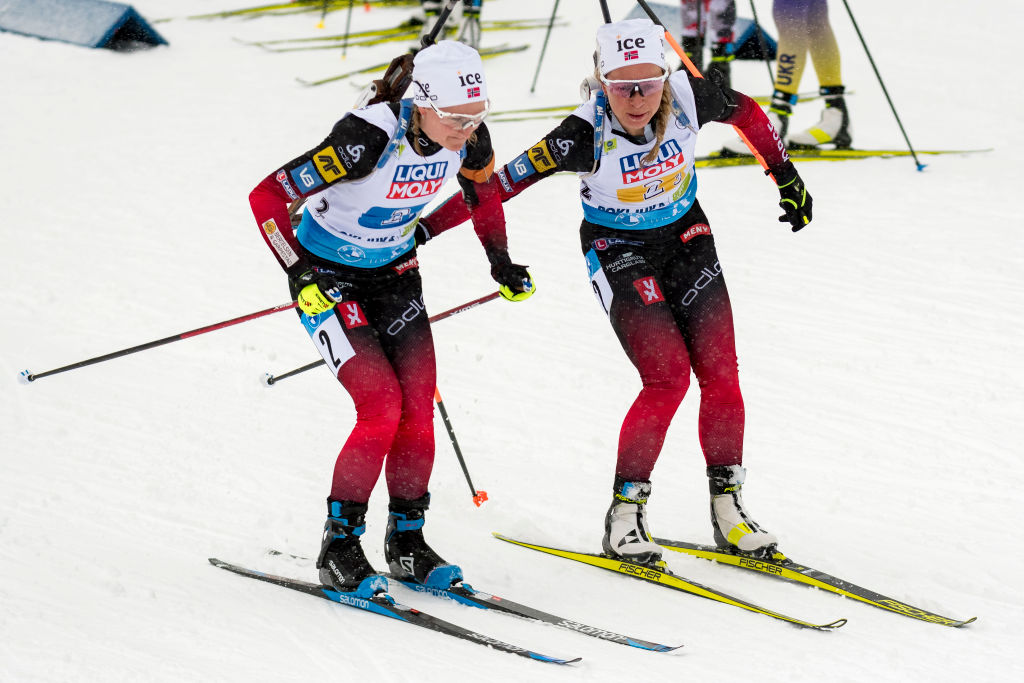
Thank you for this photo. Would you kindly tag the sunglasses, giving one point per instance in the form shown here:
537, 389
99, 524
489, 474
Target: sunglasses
458, 121
643, 86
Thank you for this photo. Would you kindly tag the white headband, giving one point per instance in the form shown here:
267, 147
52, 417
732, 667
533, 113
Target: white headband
629, 42
448, 73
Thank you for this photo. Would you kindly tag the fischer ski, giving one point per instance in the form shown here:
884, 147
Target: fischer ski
385, 605
781, 567
659, 574
485, 53
796, 154
465, 594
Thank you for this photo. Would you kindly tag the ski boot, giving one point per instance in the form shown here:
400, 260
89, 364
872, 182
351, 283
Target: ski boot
778, 114
625, 525
408, 555
720, 68
834, 126
732, 525
341, 562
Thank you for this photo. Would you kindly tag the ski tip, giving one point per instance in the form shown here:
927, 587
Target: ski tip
966, 621
834, 624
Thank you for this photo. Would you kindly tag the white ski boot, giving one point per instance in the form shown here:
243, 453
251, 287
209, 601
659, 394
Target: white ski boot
625, 526
732, 525
834, 126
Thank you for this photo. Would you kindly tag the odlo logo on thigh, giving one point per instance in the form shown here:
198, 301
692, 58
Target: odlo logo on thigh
351, 314
649, 291
706, 277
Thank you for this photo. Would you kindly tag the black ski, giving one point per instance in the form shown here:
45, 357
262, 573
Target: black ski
385, 605
781, 567
467, 595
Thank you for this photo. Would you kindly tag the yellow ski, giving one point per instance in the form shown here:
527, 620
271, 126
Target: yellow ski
660, 574
783, 568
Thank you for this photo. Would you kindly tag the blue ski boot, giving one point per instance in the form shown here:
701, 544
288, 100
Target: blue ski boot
408, 555
341, 562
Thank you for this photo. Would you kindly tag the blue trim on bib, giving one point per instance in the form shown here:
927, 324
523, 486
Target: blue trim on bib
316, 240
643, 220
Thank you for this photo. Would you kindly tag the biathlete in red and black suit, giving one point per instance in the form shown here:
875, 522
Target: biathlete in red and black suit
352, 267
653, 265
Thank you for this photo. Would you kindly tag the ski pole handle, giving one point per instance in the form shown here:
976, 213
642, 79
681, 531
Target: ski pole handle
31, 377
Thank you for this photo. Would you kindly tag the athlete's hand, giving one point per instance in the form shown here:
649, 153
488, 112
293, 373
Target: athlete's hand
794, 198
316, 294
514, 281
422, 232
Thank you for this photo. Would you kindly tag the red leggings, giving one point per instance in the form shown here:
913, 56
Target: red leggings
384, 353
667, 302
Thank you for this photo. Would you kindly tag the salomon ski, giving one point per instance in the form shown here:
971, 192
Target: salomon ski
781, 567
467, 595
385, 605
660, 575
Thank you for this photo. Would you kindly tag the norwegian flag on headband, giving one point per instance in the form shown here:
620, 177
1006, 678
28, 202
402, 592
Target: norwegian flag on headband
472, 92
632, 54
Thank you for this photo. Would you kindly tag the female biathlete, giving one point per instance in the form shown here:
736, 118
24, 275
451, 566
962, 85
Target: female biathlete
352, 267
652, 263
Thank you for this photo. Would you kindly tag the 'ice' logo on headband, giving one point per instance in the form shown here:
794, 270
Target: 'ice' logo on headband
629, 44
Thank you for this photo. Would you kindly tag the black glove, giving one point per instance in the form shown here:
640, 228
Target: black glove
795, 200
514, 281
422, 233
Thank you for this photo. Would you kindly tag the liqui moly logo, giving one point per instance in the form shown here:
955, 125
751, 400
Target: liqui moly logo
419, 180
670, 158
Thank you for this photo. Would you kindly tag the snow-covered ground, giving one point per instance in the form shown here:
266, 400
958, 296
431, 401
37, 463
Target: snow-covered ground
880, 355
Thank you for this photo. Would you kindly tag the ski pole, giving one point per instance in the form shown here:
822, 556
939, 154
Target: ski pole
273, 379
695, 72
604, 11
348, 25
544, 47
478, 496
31, 377
762, 43
920, 166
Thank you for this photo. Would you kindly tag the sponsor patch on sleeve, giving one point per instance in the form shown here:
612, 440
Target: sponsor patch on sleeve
541, 157
520, 168
282, 178
329, 165
279, 243
306, 177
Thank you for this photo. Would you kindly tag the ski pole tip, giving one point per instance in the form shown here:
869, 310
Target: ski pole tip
920, 166
269, 379
479, 498
25, 377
